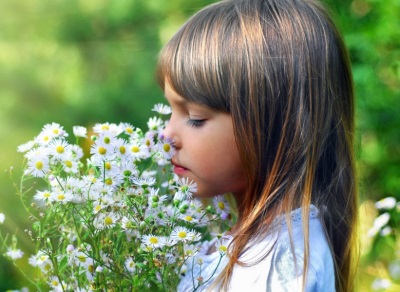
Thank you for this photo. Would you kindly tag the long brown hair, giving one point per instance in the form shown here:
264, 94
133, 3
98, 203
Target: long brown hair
280, 68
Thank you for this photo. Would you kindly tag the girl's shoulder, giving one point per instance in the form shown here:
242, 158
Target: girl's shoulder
275, 262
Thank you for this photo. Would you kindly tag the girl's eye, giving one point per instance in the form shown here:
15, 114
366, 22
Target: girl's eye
195, 123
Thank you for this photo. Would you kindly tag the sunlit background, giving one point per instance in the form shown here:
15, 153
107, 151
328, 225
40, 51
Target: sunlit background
81, 62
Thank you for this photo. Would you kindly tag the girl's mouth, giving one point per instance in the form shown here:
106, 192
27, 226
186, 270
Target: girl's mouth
178, 169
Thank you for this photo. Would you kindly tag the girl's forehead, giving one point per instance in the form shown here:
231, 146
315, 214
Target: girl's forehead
172, 96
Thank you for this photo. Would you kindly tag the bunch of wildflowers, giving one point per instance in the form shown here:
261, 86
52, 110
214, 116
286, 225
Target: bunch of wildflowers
120, 219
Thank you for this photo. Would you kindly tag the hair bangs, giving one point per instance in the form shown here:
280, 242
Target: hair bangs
195, 63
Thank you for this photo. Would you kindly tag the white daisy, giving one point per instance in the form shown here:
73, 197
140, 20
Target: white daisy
153, 241
97, 207
222, 244
38, 164
45, 266
179, 196
70, 165
127, 129
154, 123
113, 179
44, 138
122, 149
99, 128
82, 259
42, 196
148, 140
221, 206
37, 259
188, 218
26, 147
79, 131
55, 284
162, 109
59, 149
108, 168
61, 197
14, 253
55, 130
128, 169
100, 152
144, 182
186, 187
130, 265
103, 221
154, 197
138, 150
166, 148
190, 250
107, 138
386, 203
77, 152
182, 234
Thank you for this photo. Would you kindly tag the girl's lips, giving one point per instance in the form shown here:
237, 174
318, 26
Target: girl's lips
178, 169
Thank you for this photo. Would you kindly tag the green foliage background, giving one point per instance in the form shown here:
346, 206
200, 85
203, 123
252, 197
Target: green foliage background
78, 62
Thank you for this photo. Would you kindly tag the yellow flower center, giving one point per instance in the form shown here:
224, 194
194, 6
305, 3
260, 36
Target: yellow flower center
221, 205
107, 165
46, 195
61, 197
60, 149
104, 127
167, 147
153, 240
222, 248
182, 234
122, 149
81, 258
43, 258
54, 283
189, 218
129, 130
148, 142
97, 208
39, 165
108, 181
55, 131
135, 149
102, 150
90, 269
107, 140
46, 138
68, 163
129, 225
108, 220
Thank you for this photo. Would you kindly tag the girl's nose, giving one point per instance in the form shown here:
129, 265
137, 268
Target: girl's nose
167, 133
170, 133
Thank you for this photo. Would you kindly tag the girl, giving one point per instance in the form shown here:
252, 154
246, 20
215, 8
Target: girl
263, 108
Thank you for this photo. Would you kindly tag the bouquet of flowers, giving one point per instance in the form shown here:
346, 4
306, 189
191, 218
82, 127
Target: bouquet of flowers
117, 219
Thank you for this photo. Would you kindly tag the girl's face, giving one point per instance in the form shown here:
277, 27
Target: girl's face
205, 145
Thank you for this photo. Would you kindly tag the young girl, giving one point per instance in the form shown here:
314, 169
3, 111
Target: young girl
263, 108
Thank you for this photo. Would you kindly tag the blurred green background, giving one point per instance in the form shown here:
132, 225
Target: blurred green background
78, 62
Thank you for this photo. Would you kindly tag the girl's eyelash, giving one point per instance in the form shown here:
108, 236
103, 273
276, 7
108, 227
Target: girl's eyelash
195, 123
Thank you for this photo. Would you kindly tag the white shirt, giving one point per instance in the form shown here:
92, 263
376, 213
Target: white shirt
276, 271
